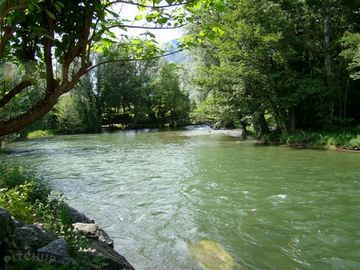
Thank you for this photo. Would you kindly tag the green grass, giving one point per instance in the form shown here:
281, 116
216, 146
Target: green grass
39, 134
344, 140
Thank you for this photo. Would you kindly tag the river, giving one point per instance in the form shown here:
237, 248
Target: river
155, 192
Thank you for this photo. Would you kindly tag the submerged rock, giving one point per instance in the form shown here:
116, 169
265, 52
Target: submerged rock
211, 255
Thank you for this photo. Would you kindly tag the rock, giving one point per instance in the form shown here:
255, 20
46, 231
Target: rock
76, 216
31, 237
6, 230
87, 229
102, 246
6, 225
105, 238
113, 259
211, 255
94, 231
56, 252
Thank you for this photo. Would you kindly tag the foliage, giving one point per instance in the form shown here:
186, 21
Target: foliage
39, 134
29, 200
351, 52
341, 140
76, 111
17, 201
53, 43
275, 66
140, 94
13, 175
169, 104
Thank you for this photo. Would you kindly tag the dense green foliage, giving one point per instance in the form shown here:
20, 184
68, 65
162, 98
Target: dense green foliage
52, 43
29, 199
343, 140
144, 94
284, 65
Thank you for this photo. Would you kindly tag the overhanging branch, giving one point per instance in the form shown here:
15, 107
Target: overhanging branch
147, 6
133, 59
147, 27
16, 90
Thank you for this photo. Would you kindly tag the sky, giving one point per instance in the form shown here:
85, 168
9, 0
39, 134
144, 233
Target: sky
129, 12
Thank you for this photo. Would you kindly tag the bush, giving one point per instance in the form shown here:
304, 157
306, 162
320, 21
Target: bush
355, 142
39, 134
17, 201
342, 140
13, 175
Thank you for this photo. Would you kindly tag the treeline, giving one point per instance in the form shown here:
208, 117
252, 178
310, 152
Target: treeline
121, 94
278, 65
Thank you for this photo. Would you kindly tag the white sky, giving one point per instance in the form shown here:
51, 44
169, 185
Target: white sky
129, 12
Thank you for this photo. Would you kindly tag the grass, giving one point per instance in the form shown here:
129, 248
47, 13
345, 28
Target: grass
39, 134
343, 140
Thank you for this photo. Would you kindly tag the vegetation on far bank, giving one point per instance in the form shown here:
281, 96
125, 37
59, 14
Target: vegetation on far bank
344, 140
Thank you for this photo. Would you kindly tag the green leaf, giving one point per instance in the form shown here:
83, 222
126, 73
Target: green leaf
50, 15
138, 17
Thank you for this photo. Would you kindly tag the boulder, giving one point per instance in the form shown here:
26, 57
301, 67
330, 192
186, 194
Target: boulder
95, 232
56, 252
6, 230
76, 216
113, 259
30, 237
102, 245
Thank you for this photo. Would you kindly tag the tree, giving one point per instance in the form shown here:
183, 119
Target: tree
38, 35
170, 105
76, 111
277, 62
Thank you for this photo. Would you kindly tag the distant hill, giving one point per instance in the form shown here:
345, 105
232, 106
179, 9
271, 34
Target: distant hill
178, 58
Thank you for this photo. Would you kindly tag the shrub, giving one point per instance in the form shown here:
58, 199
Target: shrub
355, 142
39, 134
16, 201
13, 175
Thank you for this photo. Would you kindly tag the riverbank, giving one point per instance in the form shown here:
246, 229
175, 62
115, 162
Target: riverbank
38, 230
339, 141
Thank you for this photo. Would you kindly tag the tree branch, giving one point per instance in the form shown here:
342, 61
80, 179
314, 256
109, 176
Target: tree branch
147, 6
35, 113
131, 60
146, 27
7, 8
16, 90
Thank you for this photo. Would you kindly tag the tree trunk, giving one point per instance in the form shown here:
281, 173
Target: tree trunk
261, 124
34, 114
328, 66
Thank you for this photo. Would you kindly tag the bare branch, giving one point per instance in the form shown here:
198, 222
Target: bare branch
131, 60
147, 27
16, 90
147, 6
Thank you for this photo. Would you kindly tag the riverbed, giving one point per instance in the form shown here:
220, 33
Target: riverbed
156, 192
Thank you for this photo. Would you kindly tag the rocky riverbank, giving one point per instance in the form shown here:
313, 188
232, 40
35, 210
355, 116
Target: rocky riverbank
32, 242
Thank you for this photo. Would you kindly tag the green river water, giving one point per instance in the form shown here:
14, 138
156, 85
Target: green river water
157, 192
